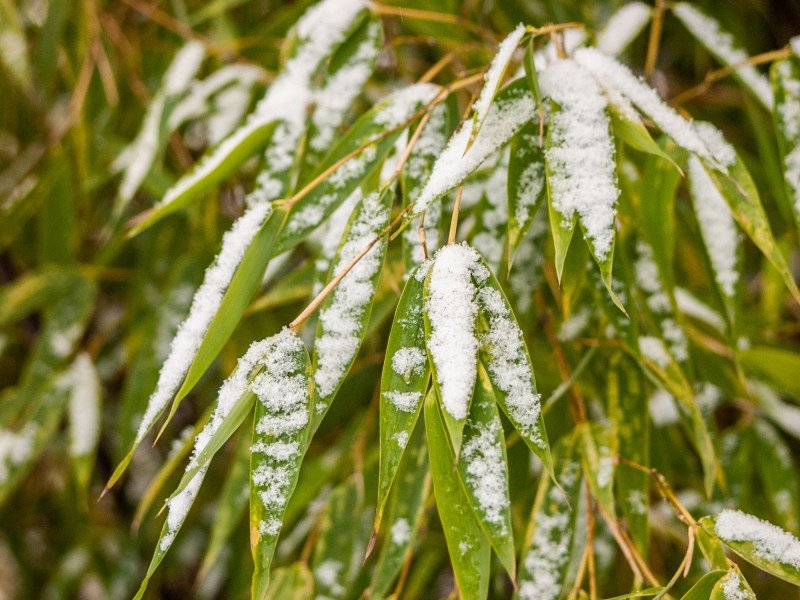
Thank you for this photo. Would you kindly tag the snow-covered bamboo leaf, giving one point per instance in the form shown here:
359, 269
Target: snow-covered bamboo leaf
526, 185
630, 422
291, 583
549, 538
315, 37
229, 285
777, 472
623, 27
581, 169
230, 507
508, 365
785, 75
280, 437
376, 132
628, 127
494, 77
84, 416
450, 310
404, 514
768, 547
469, 549
598, 447
712, 549
511, 109
725, 48
732, 586
531, 76
702, 589
489, 233
348, 72
483, 469
403, 382
335, 563
430, 144
344, 314
739, 191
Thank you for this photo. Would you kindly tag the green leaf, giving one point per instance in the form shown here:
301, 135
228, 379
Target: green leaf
403, 382
344, 314
779, 365
335, 559
483, 470
404, 515
712, 550
468, 546
653, 591
526, 185
34, 291
562, 228
742, 196
530, 72
598, 447
760, 543
627, 125
732, 585
280, 437
291, 583
785, 74
550, 535
508, 364
703, 588
778, 474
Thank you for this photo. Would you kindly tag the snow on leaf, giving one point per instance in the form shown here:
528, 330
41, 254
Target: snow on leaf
786, 85
623, 27
84, 407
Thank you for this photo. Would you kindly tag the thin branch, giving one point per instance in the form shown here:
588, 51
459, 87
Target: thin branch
451, 238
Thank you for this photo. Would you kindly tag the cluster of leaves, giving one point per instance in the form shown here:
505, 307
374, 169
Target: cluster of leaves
410, 448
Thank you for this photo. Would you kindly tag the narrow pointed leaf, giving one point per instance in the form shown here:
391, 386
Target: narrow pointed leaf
732, 585
628, 126
483, 469
623, 27
597, 454
785, 75
777, 472
344, 315
466, 543
291, 583
526, 185
403, 382
703, 588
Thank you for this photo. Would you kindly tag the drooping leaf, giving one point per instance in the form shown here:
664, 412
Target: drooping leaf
704, 586
732, 585
526, 185
467, 545
403, 382
785, 74
598, 447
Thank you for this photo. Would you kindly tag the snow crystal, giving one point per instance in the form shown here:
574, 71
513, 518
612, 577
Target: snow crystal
402, 104
280, 451
405, 401
623, 27
327, 575
580, 155
494, 74
400, 532
452, 309
340, 321
547, 54
722, 45
637, 502
610, 73
788, 113
508, 365
485, 465
178, 507
15, 449
689, 305
649, 281
654, 349
733, 587
455, 163
84, 406
205, 304
408, 361
401, 437
717, 226
769, 542
530, 184
605, 467
183, 67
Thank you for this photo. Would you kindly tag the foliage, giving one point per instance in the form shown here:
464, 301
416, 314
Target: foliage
490, 318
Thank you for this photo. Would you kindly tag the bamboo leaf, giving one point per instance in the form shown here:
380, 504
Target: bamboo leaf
344, 314
732, 585
626, 124
403, 382
526, 185
785, 74
777, 473
291, 583
768, 547
598, 448
468, 547
704, 586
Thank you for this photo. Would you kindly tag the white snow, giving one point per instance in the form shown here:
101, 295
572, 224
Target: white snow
717, 226
327, 576
663, 410
794, 44
722, 45
330, 235
623, 27
691, 306
452, 309
483, 459
405, 401
769, 541
178, 507
508, 365
733, 587
340, 322
610, 73
580, 154
575, 324
84, 406
788, 113
15, 449
654, 349
400, 532
408, 361
494, 75
456, 163
490, 236
205, 304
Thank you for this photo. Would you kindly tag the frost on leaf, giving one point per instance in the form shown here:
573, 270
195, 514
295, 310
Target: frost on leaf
451, 307
204, 307
581, 171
